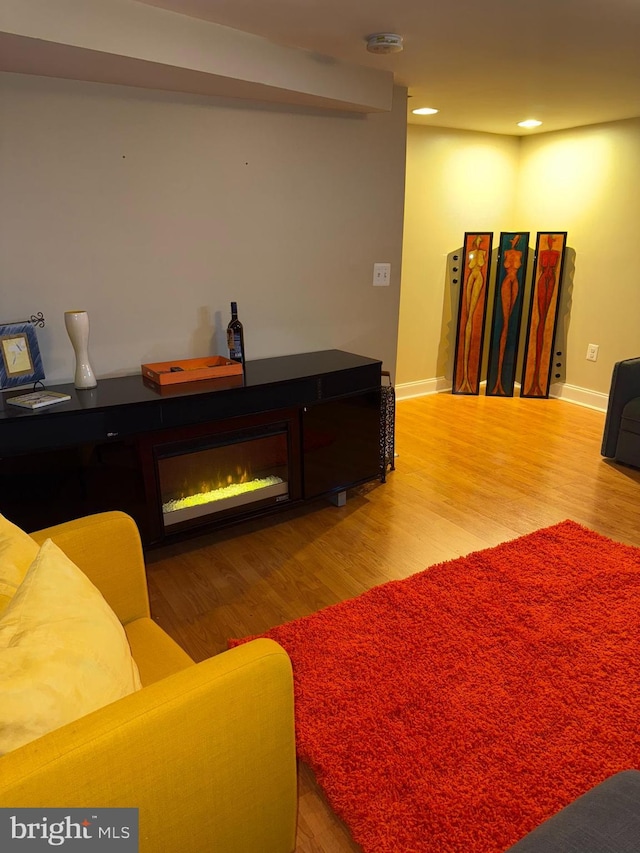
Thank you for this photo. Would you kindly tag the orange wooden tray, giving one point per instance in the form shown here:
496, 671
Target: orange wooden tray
192, 369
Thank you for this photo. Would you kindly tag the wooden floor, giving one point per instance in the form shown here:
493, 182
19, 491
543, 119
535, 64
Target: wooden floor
471, 472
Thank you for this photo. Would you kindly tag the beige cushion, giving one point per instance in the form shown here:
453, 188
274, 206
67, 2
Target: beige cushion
63, 652
17, 552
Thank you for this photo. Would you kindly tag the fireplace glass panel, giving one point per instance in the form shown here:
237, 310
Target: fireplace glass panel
202, 478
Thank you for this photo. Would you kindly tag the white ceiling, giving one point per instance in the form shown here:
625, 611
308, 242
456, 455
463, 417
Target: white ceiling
484, 65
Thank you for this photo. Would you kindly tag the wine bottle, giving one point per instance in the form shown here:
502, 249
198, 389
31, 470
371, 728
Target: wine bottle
235, 336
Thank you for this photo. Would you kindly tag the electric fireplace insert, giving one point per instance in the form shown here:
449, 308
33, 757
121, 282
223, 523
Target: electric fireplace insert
211, 475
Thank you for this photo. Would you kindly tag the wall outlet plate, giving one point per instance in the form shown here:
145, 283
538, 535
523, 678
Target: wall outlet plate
381, 275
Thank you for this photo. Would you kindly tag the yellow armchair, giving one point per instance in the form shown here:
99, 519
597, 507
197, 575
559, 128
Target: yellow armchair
205, 751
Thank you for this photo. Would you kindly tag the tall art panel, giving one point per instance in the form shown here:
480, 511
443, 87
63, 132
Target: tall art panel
472, 308
507, 313
543, 313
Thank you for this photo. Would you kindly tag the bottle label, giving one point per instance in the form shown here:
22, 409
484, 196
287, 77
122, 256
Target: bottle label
234, 344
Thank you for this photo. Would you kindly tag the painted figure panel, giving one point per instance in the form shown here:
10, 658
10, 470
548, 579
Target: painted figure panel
507, 313
543, 313
472, 308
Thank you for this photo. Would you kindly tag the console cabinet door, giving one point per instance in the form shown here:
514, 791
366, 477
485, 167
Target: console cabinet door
340, 444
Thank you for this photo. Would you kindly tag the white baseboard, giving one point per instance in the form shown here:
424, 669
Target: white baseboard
579, 396
559, 390
407, 390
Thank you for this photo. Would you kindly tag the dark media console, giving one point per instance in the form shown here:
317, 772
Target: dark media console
199, 454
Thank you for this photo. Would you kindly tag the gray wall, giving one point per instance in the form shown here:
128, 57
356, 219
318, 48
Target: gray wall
152, 211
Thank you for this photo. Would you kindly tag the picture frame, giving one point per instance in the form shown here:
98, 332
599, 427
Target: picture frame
472, 310
20, 360
548, 267
508, 302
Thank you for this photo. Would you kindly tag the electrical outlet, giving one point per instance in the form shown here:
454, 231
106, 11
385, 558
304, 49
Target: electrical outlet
381, 275
592, 352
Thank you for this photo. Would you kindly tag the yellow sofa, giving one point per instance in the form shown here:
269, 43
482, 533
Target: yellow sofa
205, 751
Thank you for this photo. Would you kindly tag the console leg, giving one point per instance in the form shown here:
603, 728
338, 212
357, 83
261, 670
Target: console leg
339, 499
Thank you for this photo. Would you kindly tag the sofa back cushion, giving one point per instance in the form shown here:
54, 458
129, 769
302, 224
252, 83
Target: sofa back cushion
63, 652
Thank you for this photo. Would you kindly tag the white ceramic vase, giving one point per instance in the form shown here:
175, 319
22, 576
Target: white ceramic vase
77, 324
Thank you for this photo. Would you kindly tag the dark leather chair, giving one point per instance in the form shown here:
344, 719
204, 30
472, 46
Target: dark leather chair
621, 437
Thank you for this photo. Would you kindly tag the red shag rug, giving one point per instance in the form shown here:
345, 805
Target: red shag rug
457, 709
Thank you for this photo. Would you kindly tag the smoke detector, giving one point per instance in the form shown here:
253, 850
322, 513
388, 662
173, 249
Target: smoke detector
384, 43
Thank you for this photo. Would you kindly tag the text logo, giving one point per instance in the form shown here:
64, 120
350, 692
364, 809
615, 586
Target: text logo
26, 830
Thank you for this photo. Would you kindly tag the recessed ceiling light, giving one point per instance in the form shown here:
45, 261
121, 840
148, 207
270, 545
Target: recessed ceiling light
424, 111
530, 122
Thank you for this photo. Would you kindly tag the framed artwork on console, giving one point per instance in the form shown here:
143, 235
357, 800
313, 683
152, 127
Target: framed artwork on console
513, 254
472, 309
20, 361
543, 313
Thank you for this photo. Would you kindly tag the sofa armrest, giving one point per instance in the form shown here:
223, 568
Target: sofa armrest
107, 548
207, 755
607, 817
625, 385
